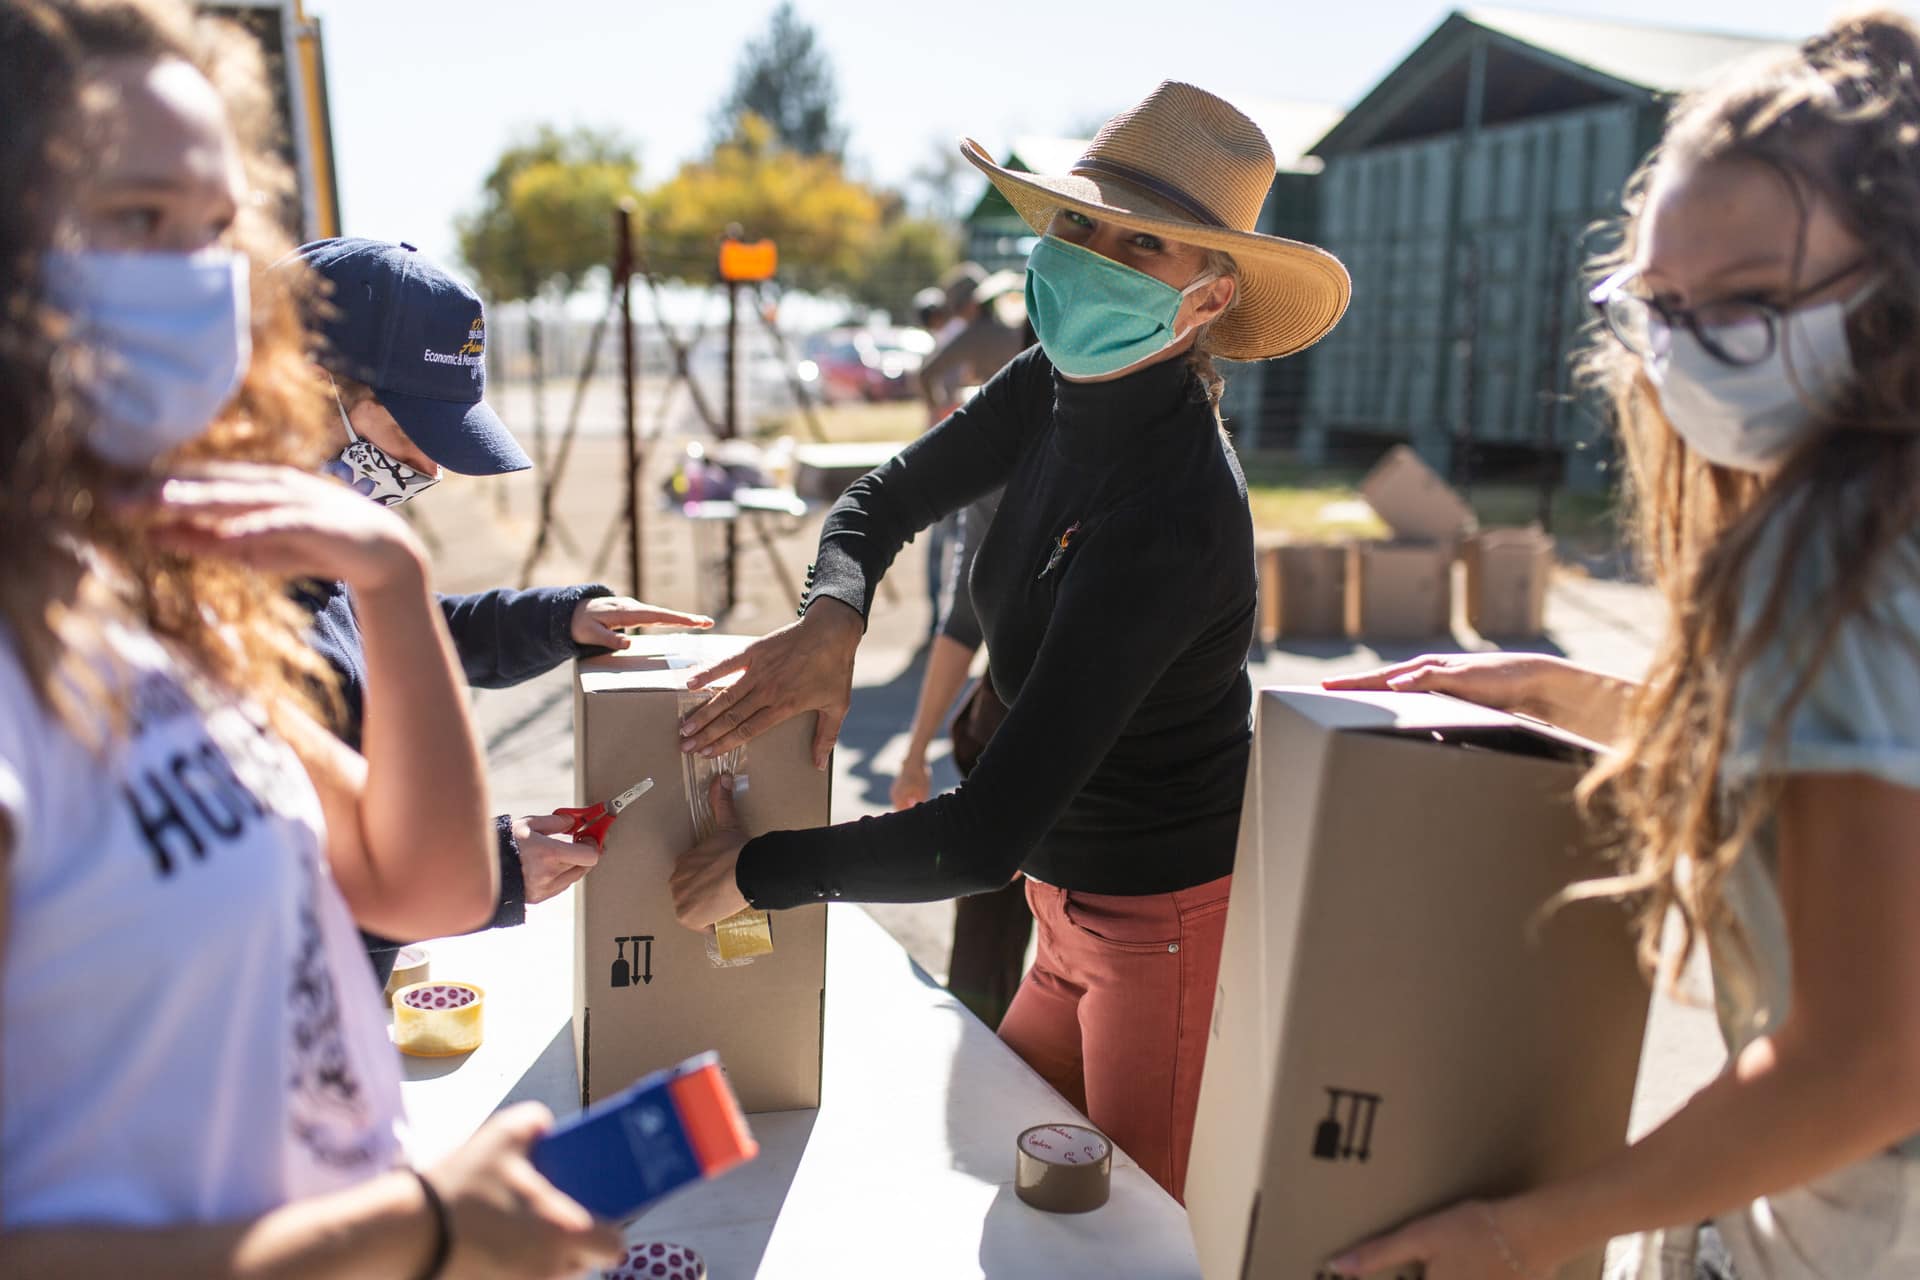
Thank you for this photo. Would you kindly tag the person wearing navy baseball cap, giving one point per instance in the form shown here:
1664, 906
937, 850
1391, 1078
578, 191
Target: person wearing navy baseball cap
404, 344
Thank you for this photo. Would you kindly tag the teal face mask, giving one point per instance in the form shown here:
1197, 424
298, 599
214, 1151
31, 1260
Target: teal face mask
1094, 316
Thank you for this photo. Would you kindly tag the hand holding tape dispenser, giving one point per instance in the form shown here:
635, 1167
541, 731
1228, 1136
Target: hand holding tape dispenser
672, 1128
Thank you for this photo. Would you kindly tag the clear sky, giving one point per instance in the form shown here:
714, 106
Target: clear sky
427, 92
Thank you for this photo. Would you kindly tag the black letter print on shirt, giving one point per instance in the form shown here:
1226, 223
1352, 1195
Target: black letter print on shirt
196, 802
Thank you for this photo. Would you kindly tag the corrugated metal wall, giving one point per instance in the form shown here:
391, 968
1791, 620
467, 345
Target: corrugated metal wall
1265, 403
1466, 303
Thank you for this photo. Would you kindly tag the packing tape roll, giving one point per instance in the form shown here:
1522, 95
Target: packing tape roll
658, 1260
743, 935
438, 1019
1063, 1168
409, 967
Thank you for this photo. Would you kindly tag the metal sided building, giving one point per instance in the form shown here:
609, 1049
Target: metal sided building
996, 236
1265, 402
1461, 193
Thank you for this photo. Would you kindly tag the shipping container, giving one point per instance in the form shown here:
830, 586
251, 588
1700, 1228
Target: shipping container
1464, 193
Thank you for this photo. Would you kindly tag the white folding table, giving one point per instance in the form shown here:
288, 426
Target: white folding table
905, 1169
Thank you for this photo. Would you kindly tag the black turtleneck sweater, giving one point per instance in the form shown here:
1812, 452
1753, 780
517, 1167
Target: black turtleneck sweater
1121, 658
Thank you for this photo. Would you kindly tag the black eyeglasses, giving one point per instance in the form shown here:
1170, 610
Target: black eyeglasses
1737, 331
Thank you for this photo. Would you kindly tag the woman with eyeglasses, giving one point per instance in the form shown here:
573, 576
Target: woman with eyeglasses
1761, 344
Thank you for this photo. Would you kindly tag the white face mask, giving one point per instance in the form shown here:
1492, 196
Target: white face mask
371, 471
170, 332
1749, 418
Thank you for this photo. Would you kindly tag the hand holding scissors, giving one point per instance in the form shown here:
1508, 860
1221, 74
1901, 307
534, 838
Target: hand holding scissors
590, 825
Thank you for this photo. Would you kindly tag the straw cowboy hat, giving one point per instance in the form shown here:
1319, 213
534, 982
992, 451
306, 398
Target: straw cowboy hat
1185, 165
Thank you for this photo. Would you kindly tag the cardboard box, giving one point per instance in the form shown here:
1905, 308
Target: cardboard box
645, 992
1508, 571
1387, 1036
1403, 589
1414, 501
1303, 590
1400, 590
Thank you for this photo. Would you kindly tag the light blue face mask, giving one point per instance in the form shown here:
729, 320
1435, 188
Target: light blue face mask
170, 337
1094, 316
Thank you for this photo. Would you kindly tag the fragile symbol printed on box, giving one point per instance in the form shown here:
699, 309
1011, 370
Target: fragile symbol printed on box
624, 974
1351, 1138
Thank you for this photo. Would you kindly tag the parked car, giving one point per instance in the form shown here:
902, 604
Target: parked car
864, 364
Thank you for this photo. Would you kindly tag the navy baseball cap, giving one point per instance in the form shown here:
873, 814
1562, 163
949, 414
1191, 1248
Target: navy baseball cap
417, 336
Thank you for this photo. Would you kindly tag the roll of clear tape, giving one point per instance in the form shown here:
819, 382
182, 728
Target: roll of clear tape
745, 934
438, 1019
1063, 1168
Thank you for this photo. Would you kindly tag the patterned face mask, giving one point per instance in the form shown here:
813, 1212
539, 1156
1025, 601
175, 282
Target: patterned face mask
370, 470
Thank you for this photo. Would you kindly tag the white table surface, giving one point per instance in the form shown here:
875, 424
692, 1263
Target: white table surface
906, 1168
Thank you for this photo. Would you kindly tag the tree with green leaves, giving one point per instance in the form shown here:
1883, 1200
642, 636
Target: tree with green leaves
543, 223
823, 222
908, 254
786, 79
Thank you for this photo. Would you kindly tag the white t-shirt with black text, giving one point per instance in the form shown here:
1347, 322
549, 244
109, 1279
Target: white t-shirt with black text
189, 1030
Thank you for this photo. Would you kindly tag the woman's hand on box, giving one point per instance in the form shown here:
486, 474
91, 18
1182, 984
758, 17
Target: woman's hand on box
1472, 1240
703, 886
602, 620
806, 666
1503, 681
1587, 702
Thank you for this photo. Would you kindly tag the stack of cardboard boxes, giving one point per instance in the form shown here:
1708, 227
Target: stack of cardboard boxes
1396, 1027
647, 992
1401, 588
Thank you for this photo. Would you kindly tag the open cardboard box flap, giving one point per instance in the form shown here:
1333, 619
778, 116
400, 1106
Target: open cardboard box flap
1420, 714
1414, 501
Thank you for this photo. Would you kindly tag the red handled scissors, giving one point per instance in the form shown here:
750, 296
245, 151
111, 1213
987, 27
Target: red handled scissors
590, 825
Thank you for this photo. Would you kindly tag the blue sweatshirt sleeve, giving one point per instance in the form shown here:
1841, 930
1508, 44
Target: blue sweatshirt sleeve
504, 637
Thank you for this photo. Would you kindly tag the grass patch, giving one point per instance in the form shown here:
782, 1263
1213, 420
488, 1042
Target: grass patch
1300, 502
900, 420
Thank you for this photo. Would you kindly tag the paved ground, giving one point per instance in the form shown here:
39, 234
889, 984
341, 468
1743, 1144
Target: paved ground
481, 529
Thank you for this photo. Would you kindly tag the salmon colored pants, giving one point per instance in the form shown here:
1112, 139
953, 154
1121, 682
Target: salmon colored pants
1115, 1012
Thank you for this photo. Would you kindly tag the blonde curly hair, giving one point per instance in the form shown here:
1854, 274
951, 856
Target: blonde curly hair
56, 520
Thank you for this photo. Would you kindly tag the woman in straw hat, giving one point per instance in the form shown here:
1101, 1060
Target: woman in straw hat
1116, 588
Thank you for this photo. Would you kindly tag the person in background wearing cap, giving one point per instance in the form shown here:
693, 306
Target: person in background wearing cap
975, 349
405, 345
930, 309
1116, 586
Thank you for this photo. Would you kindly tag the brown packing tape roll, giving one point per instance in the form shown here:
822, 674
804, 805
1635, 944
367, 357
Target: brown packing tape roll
438, 1019
1063, 1168
744, 935
411, 966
